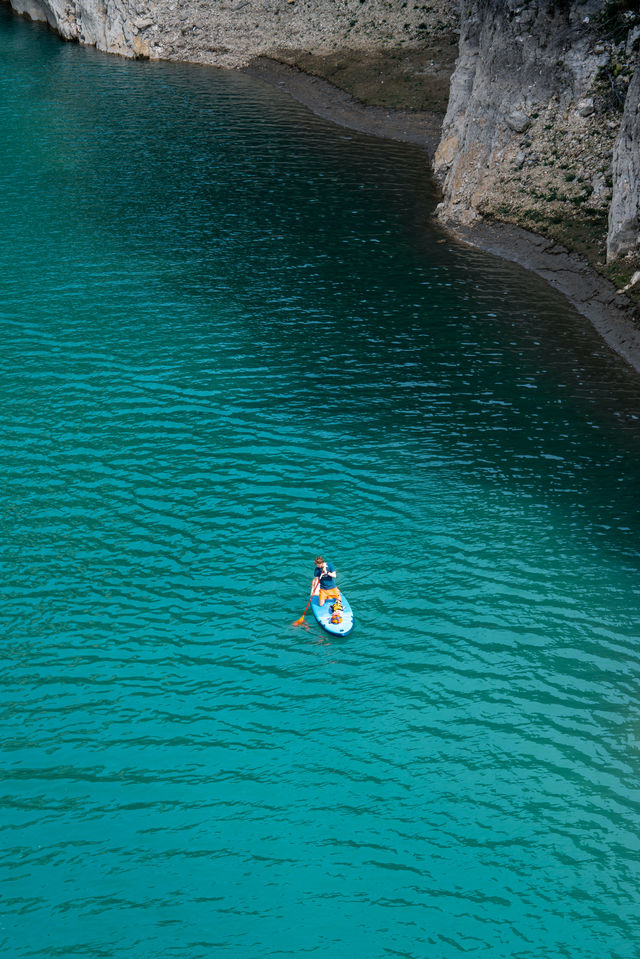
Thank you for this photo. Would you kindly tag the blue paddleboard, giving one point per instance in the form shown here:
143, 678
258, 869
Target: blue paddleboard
323, 615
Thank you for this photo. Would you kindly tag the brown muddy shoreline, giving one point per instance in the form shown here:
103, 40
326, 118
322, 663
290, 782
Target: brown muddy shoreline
595, 297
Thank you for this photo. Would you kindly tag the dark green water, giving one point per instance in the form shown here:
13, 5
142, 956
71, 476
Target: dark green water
229, 339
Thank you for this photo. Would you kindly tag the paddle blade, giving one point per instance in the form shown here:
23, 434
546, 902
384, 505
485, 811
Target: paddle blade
301, 622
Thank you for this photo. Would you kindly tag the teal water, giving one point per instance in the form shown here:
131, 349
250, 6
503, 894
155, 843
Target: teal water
230, 339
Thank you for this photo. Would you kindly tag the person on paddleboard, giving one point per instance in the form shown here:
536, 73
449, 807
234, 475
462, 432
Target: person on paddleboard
324, 577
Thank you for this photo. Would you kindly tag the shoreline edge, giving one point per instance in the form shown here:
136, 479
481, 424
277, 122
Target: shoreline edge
596, 298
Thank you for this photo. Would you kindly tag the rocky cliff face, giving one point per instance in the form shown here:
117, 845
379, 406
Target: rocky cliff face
534, 116
624, 214
114, 26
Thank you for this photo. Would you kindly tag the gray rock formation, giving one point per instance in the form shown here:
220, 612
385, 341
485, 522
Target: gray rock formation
533, 115
523, 68
624, 214
111, 25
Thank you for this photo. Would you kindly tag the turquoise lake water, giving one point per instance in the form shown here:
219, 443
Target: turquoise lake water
230, 338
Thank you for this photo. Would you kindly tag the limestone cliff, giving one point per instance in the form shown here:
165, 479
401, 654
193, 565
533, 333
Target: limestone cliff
534, 115
624, 215
114, 26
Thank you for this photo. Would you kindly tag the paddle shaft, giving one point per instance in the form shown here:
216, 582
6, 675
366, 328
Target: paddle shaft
308, 604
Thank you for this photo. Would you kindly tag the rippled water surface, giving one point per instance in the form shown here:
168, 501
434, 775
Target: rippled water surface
229, 340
